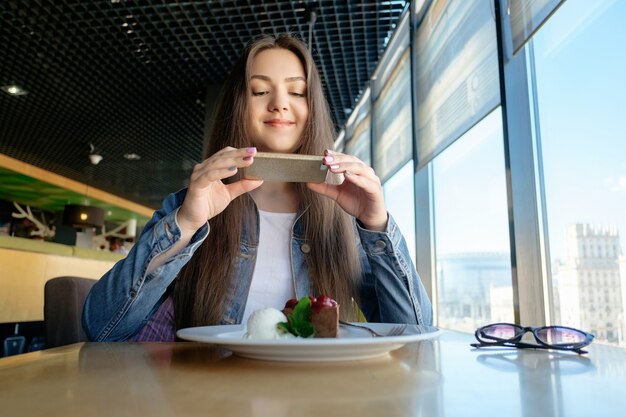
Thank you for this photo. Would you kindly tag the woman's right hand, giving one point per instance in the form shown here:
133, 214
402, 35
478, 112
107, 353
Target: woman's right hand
207, 195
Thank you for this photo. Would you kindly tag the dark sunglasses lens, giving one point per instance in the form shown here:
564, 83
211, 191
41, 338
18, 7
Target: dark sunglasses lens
499, 332
561, 336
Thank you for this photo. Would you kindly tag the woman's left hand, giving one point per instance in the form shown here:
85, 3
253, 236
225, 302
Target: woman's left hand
361, 193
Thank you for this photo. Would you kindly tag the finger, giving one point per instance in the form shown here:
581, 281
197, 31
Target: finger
330, 191
223, 166
332, 158
368, 184
354, 168
338, 163
340, 157
244, 186
230, 162
228, 152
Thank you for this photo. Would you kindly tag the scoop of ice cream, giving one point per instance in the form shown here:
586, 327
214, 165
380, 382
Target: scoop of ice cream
262, 324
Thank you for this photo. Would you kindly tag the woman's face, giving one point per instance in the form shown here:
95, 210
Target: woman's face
277, 101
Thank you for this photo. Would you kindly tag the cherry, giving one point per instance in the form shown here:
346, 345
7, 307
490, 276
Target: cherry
323, 301
326, 301
313, 299
291, 303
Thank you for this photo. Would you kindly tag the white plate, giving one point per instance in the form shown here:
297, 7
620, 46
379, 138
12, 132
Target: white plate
352, 343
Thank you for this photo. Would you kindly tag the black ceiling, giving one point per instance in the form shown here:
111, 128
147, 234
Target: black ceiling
132, 77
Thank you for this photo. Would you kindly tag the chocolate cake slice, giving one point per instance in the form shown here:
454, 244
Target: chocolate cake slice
324, 315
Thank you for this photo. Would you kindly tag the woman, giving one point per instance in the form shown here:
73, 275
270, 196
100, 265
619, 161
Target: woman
225, 246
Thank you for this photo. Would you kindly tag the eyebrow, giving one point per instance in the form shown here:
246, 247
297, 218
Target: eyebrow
288, 79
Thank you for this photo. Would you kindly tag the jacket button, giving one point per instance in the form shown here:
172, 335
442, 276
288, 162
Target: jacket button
305, 248
380, 244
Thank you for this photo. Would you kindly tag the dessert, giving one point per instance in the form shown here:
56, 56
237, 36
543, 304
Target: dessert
307, 317
322, 313
263, 324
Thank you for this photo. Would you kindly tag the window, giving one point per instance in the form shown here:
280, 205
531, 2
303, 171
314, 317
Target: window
401, 203
579, 63
392, 121
471, 229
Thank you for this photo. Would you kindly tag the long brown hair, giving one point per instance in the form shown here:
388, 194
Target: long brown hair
202, 289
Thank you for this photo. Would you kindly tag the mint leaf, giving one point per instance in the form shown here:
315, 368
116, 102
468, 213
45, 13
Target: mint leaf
302, 328
302, 310
299, 321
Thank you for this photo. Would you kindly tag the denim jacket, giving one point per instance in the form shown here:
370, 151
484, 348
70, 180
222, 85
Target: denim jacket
125, 298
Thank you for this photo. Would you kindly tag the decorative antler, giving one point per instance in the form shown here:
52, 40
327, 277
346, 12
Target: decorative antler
131, 230
42, 229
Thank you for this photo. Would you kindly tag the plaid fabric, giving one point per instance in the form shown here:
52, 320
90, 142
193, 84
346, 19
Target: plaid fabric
160, 327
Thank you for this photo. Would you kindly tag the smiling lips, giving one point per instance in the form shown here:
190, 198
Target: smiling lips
279, 123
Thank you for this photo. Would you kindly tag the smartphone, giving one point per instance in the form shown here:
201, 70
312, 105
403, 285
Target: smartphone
286, 167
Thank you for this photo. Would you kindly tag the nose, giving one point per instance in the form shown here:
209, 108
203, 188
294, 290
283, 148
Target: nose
278, 102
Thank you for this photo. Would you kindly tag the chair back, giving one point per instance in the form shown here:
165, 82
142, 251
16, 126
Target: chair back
14, 345
64, 298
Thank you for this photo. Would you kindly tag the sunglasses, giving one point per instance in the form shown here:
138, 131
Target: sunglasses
547, 337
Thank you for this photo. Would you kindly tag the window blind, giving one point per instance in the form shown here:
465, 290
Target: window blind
456, 71
527, 16
392, 121
358, 137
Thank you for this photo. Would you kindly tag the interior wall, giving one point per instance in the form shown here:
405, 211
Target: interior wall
23, 275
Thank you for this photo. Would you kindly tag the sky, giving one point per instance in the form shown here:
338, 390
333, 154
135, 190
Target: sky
580, 67
580, 62
470, 192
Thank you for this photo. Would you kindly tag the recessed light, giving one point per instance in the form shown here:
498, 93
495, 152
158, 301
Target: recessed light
132, 156
14, 90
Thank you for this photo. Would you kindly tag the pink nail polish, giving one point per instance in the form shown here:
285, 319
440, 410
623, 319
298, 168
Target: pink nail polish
251, 149
334, 166
247, 158
329, 158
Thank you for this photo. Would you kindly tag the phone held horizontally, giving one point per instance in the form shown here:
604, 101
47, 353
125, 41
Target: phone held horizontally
286, 168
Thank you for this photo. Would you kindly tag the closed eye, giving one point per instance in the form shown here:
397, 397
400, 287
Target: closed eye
259, 93
298, 94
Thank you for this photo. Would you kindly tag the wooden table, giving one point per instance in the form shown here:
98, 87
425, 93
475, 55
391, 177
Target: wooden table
442, 377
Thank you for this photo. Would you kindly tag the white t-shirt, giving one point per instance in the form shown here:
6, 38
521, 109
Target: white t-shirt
272, 281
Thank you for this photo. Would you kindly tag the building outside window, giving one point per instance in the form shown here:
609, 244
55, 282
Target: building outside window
473, 259
579, 66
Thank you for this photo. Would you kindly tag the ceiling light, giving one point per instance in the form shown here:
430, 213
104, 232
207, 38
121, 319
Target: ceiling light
95, 159
77, 215
132, 156
94, 155
14, 90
